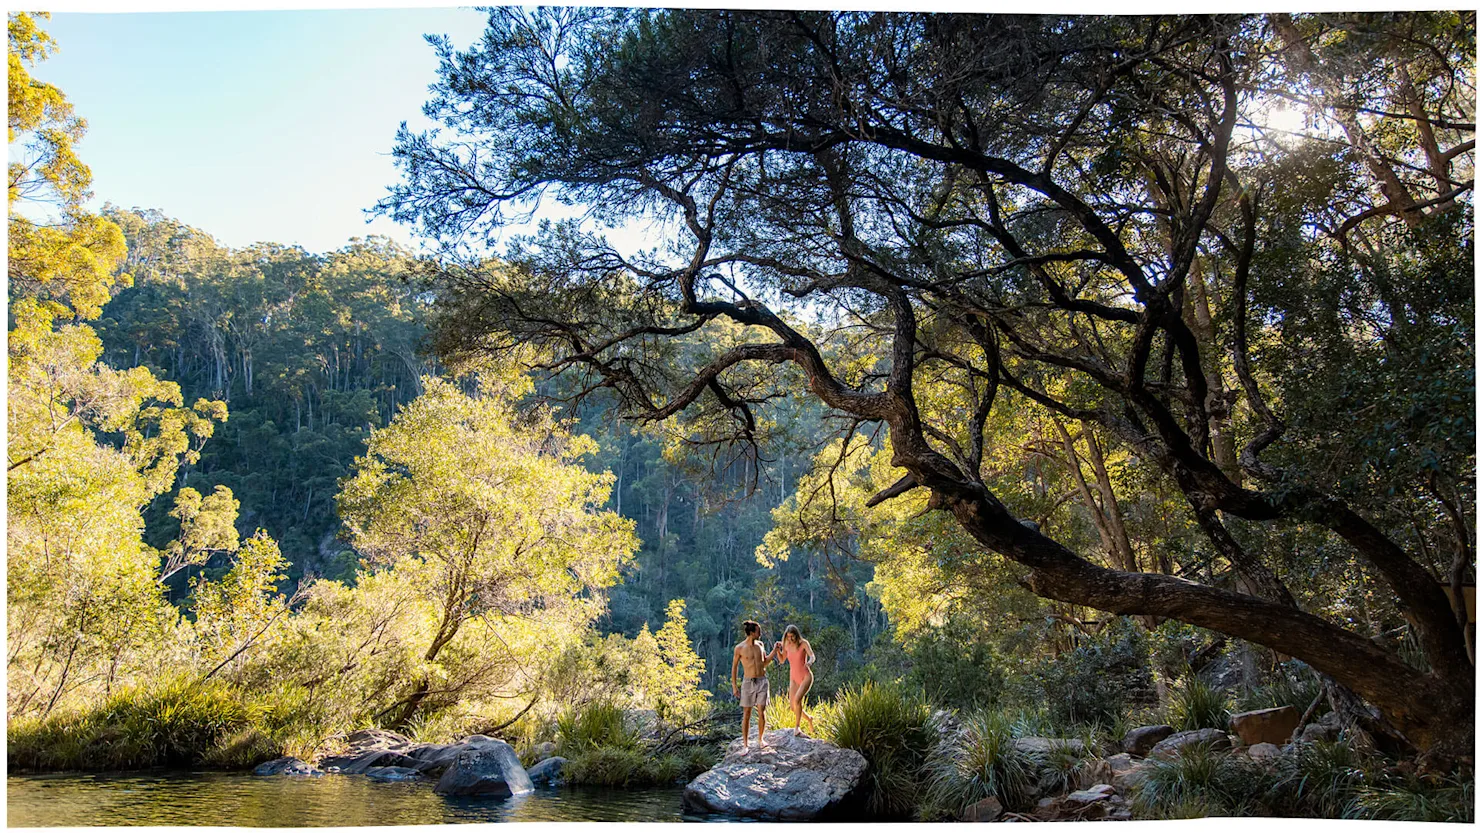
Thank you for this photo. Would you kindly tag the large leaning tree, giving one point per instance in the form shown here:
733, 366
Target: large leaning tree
1240, 245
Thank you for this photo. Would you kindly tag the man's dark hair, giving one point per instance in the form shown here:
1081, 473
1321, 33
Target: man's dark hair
750, 627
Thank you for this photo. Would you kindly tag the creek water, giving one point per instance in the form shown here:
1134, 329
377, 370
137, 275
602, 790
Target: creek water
234, 799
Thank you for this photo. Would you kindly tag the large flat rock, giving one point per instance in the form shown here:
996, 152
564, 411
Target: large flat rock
1265, 725
796, 778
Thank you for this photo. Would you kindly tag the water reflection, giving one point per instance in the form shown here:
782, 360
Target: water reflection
166, 798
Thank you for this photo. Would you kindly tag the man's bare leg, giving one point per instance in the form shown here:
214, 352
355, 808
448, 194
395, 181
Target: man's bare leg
745, 726
760, 738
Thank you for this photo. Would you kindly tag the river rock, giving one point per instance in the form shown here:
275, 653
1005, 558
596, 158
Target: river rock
1126, 772
1327, 728
370, 748
486, 767
393, 773
433, 759
796, 778
1141, 740
541, 751
1214, 739
546, 772
1265, 725
988, 809
1080, 798
287, 766
1263, 752
1092, 771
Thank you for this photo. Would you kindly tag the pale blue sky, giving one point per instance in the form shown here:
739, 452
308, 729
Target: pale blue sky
251, 126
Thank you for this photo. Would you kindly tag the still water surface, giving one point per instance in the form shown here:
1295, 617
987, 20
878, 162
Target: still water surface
207, 798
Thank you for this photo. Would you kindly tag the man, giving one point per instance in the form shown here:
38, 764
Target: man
756, 690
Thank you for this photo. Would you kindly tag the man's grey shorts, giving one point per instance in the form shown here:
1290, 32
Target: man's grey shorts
754, 692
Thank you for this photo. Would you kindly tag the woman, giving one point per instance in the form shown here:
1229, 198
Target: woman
796, 652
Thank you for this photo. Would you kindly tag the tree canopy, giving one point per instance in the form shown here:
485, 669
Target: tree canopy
927, 221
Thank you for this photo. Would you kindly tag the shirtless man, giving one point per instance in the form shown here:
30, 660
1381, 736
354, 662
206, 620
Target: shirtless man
756, 690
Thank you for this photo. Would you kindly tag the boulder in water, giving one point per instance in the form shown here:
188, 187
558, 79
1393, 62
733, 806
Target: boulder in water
796, 778
546, 772
287, 766
393, 773
486, 767
370, 748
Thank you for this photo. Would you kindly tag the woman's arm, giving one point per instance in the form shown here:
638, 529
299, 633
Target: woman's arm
811, 657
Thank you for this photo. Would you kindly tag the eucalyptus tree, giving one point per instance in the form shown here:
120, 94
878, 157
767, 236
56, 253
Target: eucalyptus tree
88, 447
1091, 216
491, 525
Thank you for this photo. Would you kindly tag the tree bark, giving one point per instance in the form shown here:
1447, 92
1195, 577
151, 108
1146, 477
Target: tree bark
1432, 712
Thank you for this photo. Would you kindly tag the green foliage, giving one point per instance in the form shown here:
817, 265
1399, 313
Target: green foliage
618, 766
954, 668
1093, 683
1292, 684
58, 266
668, 670
603, 750
182, 722
1200, 782
1450, 799
1194, 704
595, 725
1319, 779
890, 726
977, 762
495, 534
1313, 780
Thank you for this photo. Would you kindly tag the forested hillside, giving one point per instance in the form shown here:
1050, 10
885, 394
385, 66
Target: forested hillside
311, 351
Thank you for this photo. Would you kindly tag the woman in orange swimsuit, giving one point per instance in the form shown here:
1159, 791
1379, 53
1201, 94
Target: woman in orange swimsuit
796, 652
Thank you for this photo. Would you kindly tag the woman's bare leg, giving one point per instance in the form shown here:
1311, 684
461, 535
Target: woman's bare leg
801, 708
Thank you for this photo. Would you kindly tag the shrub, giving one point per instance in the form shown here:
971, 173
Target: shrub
974, 763
1196, 705
955, 668
889, 725
1094, 683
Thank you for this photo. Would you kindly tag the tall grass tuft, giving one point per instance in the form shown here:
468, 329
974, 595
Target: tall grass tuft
182, 722
890, 726
1318, 779
1194, 704
594, 725
974, 763
610, 766
1450, 799
1200, 782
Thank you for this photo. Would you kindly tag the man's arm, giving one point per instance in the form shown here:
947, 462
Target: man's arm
734, 668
